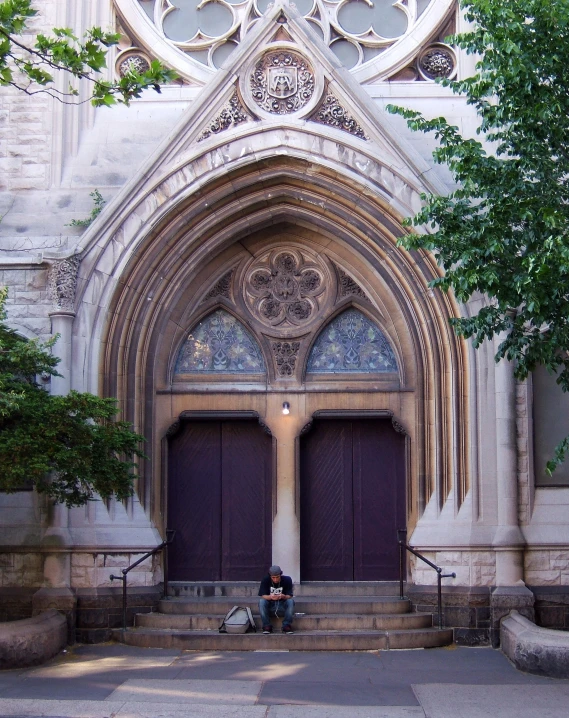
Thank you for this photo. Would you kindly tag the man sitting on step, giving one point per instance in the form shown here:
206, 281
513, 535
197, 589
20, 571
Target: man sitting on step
276, 599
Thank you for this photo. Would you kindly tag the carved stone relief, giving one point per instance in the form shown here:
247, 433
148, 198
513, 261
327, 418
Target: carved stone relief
232, 114
285, 289
286, 355
62, 283
282, 82
332, 113
348, 287
222, 288
437, 61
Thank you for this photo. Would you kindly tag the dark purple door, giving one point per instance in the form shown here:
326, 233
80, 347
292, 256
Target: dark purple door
352, 500
219, 501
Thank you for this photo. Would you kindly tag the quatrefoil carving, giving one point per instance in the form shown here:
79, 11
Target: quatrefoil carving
285, 289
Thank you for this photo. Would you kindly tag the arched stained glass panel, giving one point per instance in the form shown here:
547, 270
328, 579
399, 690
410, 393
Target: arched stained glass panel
351, 343
220, 344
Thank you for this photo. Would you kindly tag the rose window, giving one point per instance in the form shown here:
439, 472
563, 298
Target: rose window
361, 33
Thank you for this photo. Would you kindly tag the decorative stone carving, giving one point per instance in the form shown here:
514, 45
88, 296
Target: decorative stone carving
437, 61
348, 287
399, 428
222, 288
232, 114
282, 82
332, 113
286, 354
283, 288
135, 62
62, 283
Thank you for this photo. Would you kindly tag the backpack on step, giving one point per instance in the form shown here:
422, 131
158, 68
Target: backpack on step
238, 620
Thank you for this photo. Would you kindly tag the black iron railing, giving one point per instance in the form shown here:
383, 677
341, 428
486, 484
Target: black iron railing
170, 533
404, 546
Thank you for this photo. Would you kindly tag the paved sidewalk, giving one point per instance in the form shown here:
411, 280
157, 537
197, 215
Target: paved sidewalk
115, 681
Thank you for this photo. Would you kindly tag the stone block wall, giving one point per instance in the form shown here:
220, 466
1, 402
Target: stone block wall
93, 570
21, 570
26, 124
549, 567
472, 568
28, 302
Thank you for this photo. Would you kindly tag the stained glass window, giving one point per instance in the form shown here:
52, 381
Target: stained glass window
351, 343
220, 344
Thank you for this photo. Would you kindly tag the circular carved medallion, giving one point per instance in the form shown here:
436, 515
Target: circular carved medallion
282, 82
437, 61
285, 289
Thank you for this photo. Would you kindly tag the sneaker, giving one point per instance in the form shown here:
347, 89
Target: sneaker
287, 629
267, 629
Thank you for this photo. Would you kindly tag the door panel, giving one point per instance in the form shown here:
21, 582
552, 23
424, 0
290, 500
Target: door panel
246, 514
379, 501
326, 503
352, 500
219, 501
194, 502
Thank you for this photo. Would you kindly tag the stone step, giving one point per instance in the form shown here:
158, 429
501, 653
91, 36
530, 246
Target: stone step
309, 622
298, 641
200, 589
219, 606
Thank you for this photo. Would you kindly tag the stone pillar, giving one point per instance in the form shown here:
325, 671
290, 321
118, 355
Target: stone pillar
286, 526
56, 538
510, 592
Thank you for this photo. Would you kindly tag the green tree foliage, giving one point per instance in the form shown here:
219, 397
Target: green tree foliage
69, 447
31, 68
504, 232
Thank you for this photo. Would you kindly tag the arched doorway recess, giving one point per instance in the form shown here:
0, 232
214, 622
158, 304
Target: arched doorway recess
179, 270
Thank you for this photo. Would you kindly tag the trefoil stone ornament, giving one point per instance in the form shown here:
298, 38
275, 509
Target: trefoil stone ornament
62, 283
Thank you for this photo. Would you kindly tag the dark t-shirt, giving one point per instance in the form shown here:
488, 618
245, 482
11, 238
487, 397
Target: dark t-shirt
284, 586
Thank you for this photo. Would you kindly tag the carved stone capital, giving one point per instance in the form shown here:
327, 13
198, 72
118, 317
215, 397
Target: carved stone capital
62, 283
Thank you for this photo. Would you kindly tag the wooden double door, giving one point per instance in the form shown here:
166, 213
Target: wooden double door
352, 500
219, 501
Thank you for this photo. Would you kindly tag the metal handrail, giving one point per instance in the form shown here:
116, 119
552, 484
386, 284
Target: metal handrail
170, 533
404, 546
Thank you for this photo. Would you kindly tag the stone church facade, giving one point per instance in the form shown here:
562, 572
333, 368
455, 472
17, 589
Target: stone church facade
244, 297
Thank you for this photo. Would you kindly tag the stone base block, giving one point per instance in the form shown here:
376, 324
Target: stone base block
58, 599
465, 609
505, 599
533, 649
99, 610
32, 641
16, 603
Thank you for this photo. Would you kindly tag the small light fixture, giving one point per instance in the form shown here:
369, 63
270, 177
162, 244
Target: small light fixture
286, 408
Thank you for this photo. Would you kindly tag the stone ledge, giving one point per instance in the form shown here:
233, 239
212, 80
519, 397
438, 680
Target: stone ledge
32, 641
542, 651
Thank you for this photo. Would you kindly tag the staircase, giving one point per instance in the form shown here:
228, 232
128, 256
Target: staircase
328, 617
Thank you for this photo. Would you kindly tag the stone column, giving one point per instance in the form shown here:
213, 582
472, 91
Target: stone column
286, 526
510, 592
56, 539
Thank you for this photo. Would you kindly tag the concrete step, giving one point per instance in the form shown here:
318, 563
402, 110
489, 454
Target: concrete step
200, 589
309, 622
219, 606
298, 641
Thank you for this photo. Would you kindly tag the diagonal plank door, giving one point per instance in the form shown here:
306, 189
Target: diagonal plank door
194, 502
246, 516
379, 499
326, 543
352, 500
219, 501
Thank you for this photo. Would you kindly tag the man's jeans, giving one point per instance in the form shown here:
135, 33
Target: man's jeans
284, 607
